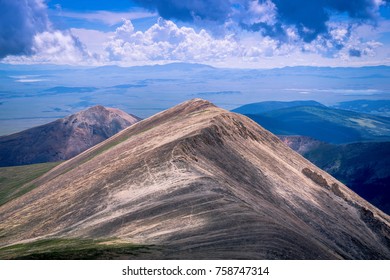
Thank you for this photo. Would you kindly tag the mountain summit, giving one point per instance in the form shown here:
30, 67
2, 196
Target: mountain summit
63, 138
199, 182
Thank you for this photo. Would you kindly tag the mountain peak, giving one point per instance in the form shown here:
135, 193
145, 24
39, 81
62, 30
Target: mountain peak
63, 138
183, 109
99, 113
200, 182
197, 104
96, 107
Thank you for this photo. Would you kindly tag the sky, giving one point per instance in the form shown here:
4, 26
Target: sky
222, 33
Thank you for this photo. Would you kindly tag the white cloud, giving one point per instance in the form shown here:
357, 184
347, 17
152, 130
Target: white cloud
57, 47
259, 12
165, 41
28, 36
344, 44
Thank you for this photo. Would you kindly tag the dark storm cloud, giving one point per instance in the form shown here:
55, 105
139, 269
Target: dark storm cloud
19, 22
359, 9
309, 17
189, 10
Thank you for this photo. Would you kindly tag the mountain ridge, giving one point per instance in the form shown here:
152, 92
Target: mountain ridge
200, 182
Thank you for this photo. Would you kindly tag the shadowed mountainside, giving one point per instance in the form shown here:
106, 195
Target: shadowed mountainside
63, 138
199, 182
363, 167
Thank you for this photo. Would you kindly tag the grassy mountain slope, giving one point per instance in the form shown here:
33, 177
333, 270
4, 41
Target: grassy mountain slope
17, 180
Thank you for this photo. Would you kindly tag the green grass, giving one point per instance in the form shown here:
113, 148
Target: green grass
14, 180
74, 249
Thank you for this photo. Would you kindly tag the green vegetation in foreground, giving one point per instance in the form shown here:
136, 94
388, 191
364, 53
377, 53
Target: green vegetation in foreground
73, 249
14, 179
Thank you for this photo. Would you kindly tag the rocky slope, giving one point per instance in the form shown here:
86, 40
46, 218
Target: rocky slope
63, 138
199, 182
363, 167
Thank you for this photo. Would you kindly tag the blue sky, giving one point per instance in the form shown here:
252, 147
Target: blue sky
226, 33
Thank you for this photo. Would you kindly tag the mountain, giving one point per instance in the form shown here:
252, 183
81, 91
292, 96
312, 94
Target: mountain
375, 107
325, 124
63, 138
192, 182
363, 167
266, 106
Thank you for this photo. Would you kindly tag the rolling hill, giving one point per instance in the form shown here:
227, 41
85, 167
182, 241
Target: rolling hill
63, 138
325, 124
192, 182
266, 106
375, 107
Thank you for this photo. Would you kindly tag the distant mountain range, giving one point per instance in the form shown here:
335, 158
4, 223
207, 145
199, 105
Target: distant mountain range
375, 107
267, 106
63, 138
319, 122
192, 182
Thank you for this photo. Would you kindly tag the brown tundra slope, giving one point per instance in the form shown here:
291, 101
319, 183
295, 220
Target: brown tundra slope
200, 182
63, 138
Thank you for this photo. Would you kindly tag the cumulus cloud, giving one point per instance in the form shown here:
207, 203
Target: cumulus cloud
343, 42
165, 41
311, 17
20, 21
283, 25
27, 36
218, 32
58, 47
271, 17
